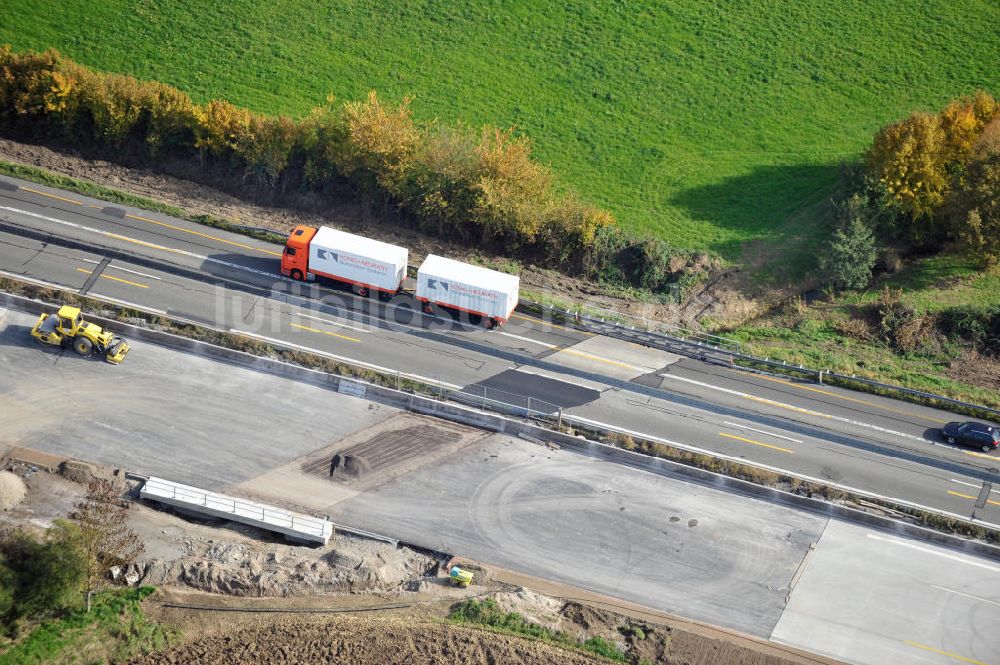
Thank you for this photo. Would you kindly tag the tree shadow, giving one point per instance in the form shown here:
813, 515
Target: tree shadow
775, 217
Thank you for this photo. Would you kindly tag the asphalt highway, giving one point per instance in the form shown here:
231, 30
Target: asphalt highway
191, 271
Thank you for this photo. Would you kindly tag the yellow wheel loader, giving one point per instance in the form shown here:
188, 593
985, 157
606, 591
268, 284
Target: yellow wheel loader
67, 328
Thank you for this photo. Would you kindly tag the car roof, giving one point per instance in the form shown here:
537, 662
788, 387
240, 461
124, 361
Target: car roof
979, 426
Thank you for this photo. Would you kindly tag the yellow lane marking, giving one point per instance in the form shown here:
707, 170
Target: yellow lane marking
51, 196
918, 645
966, 496
143, 243
325, 332
756, 443
603, 360
204, 235
969, 452
546, 323
117, 279
764, 400
851, 399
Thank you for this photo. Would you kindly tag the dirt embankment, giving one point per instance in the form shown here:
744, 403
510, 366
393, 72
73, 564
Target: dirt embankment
716, 298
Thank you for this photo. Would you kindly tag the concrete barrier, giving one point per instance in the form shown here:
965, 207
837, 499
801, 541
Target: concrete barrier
501, 424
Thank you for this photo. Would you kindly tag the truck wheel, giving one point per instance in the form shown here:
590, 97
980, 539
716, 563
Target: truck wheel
83, 346
297, 275
492, 323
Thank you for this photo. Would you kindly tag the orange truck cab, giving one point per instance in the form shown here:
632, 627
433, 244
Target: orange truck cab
295, 258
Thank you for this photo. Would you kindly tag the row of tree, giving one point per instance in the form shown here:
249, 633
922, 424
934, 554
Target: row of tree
482, 188
928, 180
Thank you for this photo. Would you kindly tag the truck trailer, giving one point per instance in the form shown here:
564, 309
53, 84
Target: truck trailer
486, 295
366, 264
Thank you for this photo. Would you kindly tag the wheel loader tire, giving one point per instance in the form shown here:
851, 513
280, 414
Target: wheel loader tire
83, 346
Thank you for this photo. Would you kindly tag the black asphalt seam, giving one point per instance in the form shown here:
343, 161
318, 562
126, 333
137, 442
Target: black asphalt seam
94, 275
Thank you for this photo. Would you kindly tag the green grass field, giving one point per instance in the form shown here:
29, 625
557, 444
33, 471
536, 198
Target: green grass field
710, 124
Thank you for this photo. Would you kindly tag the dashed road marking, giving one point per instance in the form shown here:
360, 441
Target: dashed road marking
325, 332
116, 279
51, 196
918, 645
760, 431
756, 443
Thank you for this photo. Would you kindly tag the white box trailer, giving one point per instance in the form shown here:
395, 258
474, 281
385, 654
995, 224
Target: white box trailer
468, 288
345, 257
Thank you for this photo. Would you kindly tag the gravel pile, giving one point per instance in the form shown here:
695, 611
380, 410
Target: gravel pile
12, 490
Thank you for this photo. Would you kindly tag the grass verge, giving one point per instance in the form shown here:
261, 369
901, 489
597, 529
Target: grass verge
115, 630
487, 613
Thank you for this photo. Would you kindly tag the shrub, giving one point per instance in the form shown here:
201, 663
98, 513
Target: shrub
891, 314
602, 647
848, 259
980, 326
47, 575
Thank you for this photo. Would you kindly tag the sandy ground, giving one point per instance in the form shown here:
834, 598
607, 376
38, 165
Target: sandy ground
356, 601
716, 298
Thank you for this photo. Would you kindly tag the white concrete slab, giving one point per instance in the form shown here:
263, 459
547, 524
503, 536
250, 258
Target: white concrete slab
613, 357
202, 502
871, 598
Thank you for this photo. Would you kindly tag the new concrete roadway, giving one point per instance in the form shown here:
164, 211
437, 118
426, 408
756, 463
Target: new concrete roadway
849, 592
196, 272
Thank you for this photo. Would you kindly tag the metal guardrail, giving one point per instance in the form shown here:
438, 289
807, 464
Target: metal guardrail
523, 406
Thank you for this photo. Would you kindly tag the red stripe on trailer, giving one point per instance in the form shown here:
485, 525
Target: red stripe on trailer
499, 319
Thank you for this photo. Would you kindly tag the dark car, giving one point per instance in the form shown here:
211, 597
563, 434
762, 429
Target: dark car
976, 435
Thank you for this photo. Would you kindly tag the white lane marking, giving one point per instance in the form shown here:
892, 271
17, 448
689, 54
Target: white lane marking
810, 412
527, 339
978, 487
967, 595
126, 303
118, 236
360, 363
533, 372
945, 555
328, 321
110, 427
742, 460
134, 272
760, 431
